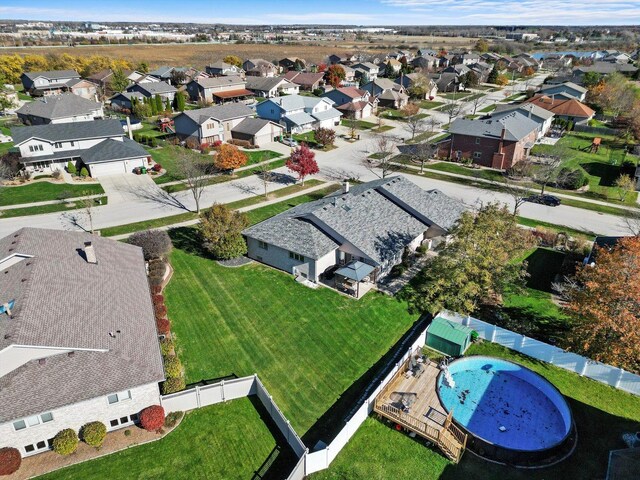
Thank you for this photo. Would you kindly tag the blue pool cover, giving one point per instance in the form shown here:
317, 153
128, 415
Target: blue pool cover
505, 404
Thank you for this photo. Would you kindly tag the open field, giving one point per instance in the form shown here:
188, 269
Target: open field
602, 414
227, 440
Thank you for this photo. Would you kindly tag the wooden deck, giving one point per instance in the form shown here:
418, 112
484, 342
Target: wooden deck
412, 401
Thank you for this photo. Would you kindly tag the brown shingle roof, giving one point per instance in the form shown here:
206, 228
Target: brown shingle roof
569, 108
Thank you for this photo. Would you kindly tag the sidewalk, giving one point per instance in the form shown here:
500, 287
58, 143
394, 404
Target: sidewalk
50, 202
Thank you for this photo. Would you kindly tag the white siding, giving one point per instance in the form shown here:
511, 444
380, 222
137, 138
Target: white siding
76, 415
13, 356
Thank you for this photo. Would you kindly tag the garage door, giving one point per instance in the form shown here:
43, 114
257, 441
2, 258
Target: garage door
104, 169
263, 139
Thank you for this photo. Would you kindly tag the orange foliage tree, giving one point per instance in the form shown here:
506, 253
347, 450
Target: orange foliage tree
229, 157
334, 75
604, 302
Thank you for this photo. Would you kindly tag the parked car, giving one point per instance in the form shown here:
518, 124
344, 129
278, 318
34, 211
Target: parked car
544, 199
289, 142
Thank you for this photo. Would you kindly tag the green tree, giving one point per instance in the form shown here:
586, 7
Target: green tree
159, 106
119, 81
71, 168
179, 102
153, 108
84, 172
167, 105
482, 46
389, 71
143, 67
476, 266
470, 80
221, 230
493, 76
233, 60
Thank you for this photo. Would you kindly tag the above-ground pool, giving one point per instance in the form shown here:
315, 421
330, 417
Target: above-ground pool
511, 414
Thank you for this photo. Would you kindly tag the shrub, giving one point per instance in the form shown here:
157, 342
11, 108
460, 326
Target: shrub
56, 174
65, 442
172, 366
10, 460
84, 172
154, 243
93, 433
572, 179
160, 311
157, 299
71, 168
166, 346
127, 433
152, 418
164, 326
172, 419
173, 385
157, 167
216, 144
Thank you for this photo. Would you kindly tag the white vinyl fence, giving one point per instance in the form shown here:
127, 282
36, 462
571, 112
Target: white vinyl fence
600, 372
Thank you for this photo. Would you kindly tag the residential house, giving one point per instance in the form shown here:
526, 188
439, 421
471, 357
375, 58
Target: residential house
565, 91
220, 68
153, 89
387, 92
100, 145
544, 118
423, 52
497, 143
299, 113
350, 79
465, 59
82, 88
269, 87
618, 57
392, 64
425, 62
366, 70
459, 69
490, 57
345, 59
481, 70
557, 61
352, 102
257, 131
372, 223
292, 63
414, 81
63, 108
401, 53
257, 67
604, 68
123, 101
527, 61
78, 340
218, 89
446, 82
571, 109
47, 83
166, 74
305, 80
210, 124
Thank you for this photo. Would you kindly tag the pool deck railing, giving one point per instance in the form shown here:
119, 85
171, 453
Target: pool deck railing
412, 402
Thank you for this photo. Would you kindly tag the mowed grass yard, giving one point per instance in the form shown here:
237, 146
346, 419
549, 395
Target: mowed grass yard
602, 414
223, 441
45, 191
308, 346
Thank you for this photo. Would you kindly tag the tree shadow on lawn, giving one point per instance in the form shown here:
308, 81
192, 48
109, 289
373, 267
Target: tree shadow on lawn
606, 172
598, 433
188, 239
542, 266
334, 419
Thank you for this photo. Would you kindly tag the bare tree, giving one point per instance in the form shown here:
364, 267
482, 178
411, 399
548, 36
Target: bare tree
352, 125
632, 221
517, 193
422, 152
379, 162
413, 120
475, 102
266, 175
453, 108
194, 174
547, 173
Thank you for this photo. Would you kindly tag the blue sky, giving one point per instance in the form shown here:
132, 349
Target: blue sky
365, 12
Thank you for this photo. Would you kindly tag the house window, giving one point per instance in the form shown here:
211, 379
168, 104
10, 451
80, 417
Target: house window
32, 421
133, 418
296, 256
31, 148
40, 148
41, 445
57, 145
119, 397
478, 141
263, 245
477, 154
211, 126
73, 144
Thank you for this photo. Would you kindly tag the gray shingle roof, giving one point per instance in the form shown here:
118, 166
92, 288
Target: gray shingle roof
379, 218
223, 112
516, 126
523, 108
251, 126
263, 83
569, 85
59, 106
59, 132
220, 81
63, 301
52, 74
113, 150
153, 88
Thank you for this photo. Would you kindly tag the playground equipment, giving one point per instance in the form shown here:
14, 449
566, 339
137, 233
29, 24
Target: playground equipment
165, 125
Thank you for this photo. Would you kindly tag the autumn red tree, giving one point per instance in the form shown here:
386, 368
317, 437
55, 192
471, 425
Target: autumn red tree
229, 157
10, 460
322, 67
604, 303
303, 162
324, 136
334, 75
152, 418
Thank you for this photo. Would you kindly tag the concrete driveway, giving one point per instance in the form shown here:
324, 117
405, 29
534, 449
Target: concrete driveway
127, 187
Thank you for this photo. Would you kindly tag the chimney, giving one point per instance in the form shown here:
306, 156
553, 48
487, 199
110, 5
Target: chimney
129, 128
345, 186
90, 253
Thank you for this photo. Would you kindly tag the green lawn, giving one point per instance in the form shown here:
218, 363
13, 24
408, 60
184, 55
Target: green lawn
602, 168
166, 156
227, 440
430, 104
308, 346
49, 208
5, 147
457, 95
377, 451
360, 124
257, 156
513, 98
488, 108
45, 191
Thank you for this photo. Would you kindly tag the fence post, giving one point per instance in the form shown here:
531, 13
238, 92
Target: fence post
522, 342
198, 402
619, 378
466, 320
222, 391
493, 333
585, 364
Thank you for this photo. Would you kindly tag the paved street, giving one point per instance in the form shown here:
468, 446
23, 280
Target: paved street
135, 199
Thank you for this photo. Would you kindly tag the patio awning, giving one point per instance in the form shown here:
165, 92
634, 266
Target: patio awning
355, 271
234, 93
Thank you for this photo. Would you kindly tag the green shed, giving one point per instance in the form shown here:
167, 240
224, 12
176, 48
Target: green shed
448, 337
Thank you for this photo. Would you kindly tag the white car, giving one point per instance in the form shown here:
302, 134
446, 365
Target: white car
289, 142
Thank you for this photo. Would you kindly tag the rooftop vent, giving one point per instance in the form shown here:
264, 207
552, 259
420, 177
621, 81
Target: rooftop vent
42, 361
90, 253
71, 354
